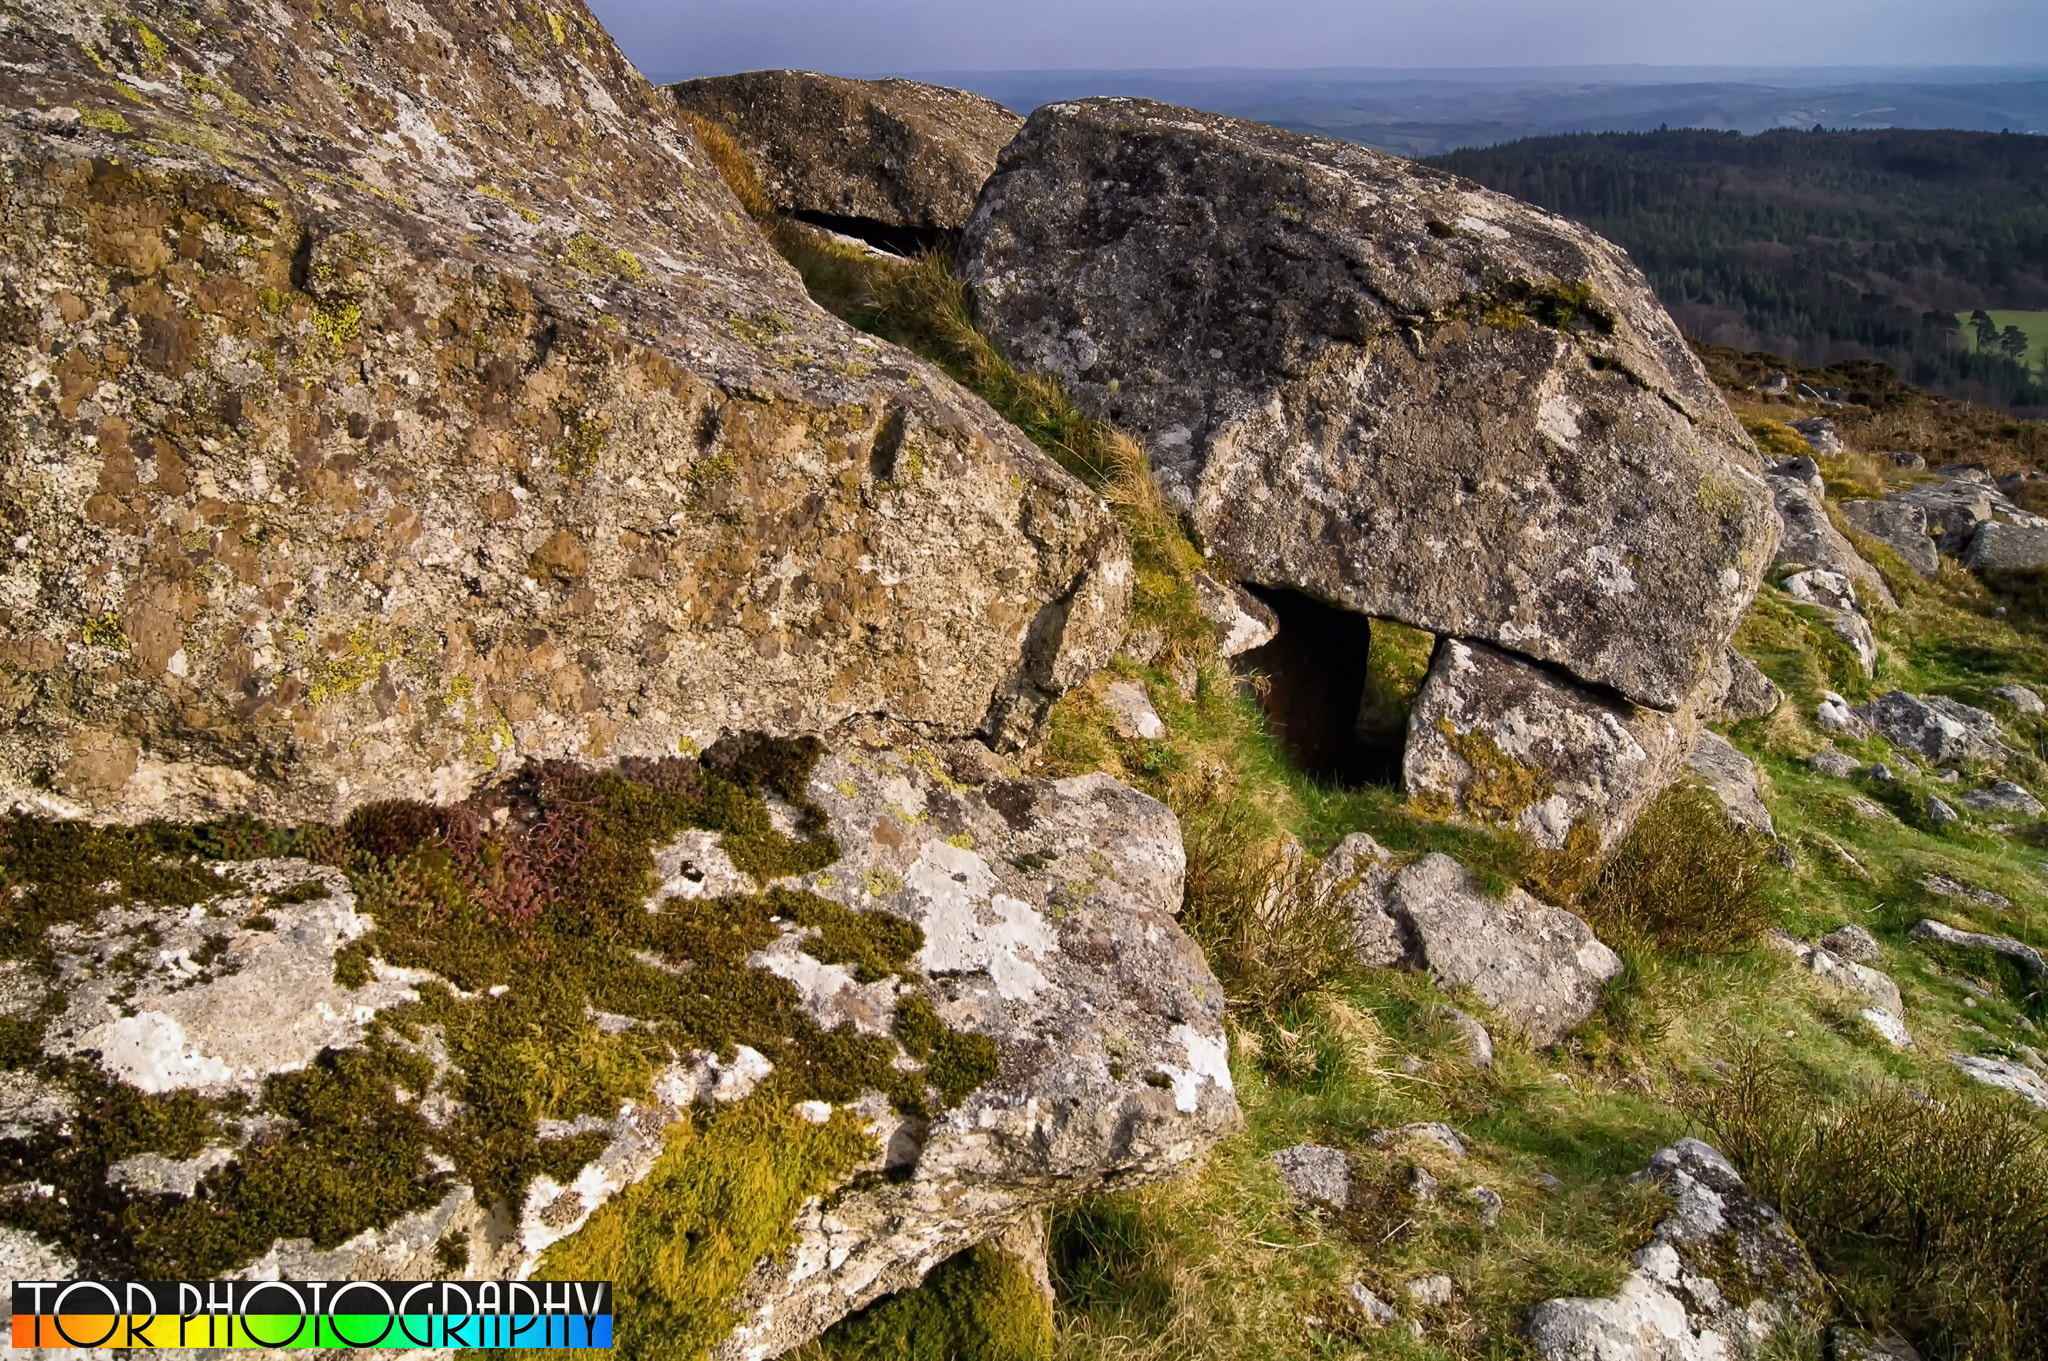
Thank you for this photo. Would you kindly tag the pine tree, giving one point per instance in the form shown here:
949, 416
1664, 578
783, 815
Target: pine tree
1987, 329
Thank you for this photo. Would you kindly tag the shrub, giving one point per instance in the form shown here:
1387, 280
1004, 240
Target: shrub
1927, 1216
1686, 880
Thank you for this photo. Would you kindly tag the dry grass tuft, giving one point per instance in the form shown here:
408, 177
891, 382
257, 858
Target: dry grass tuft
1686, 880
1929, 1216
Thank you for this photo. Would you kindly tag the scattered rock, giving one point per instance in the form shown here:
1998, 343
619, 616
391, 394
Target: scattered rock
1316, 1175
1478, 1043
1820, 433
1500, 740
661, 495
1490, 1205
1839, 764
1899, 527
1858, 978
1940, 730
1131, 711
1853, 943
1941, 886
1892, 1029
1749, 694
1733, 778
1423, 1185
2022, 1081
1719, 1246
1142, 645
1803, 470
1953, 511
1433, 1132
1811, 541
2003, 797
1966, 472
2026, 956
894, 152
1854, 1344
2022, 699
1377, 1312
1908, 462
1870, 812
2007, 548
1242, 620
1834, 715
1539, 967
1356, 875
1432, 1292
1940, 814
1326, 435
1831, 594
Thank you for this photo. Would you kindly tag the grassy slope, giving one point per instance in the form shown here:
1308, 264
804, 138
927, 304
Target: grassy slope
1223, 1264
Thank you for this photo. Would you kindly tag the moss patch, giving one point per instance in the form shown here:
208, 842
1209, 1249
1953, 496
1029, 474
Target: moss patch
1501, 788
979, 1306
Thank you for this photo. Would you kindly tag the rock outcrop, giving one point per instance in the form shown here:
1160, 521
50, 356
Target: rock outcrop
1939, 730
1068, 1034
1901, 527
1733, 778
1494, 738
392, 399
1720, 1276
1382, 386
896, 153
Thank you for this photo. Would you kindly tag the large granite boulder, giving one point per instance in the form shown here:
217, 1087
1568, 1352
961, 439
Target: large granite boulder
905, 998
1722, 1277
1810, 540
1382, 386
1494, 738
393, 398
1900, 527
896, 153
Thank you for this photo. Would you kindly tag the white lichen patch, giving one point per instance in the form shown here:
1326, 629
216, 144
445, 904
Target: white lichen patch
695, 865
968, 928
264, 1002
158, 1175
1208, 1061
831, 994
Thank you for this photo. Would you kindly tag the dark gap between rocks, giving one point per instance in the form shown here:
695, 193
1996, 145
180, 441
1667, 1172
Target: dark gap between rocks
905, 241
1335, 717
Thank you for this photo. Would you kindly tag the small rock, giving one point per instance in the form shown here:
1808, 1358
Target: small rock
1316, 1175
1892, 1028
1882, 773
2004, 1074
1853, 943
2007, 548
1869, 811
1435, 1132
1376, 1310
1905, 462
1142, 645
1941, 730
1854, 1344
1432, 1292
2026, 956
1974, 473
1951, 777
1548, 1182
1733, 778
1131, 711
1187, 678
2004, 797
1820, 433
2021, 699
1828, 761
1411, 1065
1836, 716
1478, 1043
1941, 886
1490, 1205
1802, 470
1423, 1185
1242, 620
1939, 813
1750, 693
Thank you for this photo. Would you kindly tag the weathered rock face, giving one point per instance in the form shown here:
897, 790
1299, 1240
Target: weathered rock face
1497, 739
1382, 386
1810, 539
1734, 780
894, 152
1046, 911
1720, 1276
1900, 527
377, 418
1940, 730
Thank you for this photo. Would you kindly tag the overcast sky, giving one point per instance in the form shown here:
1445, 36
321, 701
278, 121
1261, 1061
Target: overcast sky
868, 36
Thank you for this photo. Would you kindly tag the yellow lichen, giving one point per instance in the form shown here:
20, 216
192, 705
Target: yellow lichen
104, 120
104, 631
157, 51
1501, 788
882, 883
339, 321
555, 27
357, 663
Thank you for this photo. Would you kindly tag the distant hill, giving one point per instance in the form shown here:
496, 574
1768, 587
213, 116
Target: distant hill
1820, 246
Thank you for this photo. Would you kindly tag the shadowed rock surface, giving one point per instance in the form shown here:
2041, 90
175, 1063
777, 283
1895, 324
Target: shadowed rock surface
894, 152
394, 396
1382, 386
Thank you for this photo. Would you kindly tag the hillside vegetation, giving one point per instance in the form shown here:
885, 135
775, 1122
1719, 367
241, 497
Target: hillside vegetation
1821, 246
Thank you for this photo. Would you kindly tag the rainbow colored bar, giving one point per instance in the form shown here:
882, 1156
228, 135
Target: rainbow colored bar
456, 1315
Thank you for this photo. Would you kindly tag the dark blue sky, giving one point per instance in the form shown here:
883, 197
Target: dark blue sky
872, 36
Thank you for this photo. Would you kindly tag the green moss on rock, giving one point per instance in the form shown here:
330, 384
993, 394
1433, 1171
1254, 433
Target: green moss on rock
979, 1306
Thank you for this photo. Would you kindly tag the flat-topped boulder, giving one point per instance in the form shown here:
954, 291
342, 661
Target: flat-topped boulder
896, 153
399, 401
1382, 386
796, 1022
